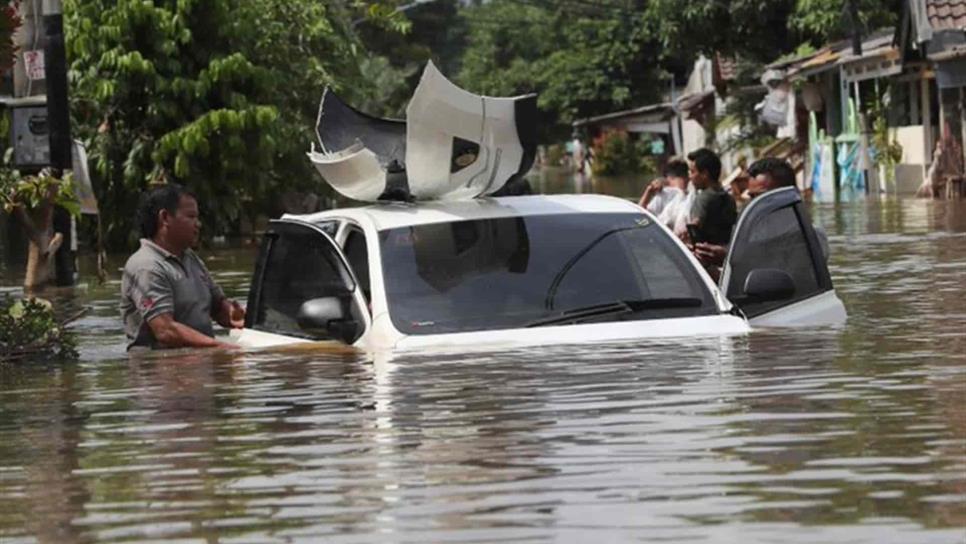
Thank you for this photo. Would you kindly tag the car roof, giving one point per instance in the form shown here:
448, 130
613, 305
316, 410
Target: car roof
391, 215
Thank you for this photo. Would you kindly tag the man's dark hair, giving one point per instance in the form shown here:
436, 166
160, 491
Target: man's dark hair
706, 160
676, 168
164, 197
777, 169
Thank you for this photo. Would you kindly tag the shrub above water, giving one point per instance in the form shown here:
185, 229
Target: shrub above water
30, 330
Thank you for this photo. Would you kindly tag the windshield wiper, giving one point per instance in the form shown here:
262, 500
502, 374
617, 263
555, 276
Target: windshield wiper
578, 315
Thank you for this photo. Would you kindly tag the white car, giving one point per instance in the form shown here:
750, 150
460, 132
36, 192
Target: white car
527, 270
443, 261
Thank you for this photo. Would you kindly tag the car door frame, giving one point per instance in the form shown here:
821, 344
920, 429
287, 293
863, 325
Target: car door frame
822, 306
255, 291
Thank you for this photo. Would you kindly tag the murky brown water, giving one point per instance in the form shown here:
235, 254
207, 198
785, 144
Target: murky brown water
852, 435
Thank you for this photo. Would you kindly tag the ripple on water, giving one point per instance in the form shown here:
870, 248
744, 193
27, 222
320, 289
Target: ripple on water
828, 435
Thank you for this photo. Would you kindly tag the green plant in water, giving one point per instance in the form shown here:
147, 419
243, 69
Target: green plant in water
29, 330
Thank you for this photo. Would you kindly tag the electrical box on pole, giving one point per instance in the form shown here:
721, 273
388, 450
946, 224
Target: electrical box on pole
29, 133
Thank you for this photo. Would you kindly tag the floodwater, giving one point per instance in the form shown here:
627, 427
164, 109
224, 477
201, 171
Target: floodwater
850, 435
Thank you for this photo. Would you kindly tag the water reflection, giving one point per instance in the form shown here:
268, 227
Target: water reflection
833, 435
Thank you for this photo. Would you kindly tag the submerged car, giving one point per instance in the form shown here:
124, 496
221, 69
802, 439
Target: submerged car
529, 269
439, 258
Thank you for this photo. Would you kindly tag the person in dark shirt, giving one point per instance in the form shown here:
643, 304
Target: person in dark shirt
713, 214
765, 175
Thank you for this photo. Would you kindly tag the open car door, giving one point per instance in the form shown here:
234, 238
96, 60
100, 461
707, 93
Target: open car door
302, 288
775, 271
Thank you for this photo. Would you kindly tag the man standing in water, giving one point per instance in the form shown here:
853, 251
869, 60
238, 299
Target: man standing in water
168, 296
713, 213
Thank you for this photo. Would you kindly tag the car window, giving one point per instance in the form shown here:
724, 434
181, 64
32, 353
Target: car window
508, 272
357, 253
777, 241
301, 265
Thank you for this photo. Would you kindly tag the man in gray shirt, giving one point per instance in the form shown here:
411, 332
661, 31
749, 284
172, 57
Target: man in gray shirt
168, 296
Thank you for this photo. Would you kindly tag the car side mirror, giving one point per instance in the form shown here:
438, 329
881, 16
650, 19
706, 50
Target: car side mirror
326, 317
769, 284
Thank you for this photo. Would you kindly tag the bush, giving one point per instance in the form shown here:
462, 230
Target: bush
555, 155
29, 329
615, 153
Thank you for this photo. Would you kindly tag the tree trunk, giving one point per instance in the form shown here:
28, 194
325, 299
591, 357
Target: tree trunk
42, 243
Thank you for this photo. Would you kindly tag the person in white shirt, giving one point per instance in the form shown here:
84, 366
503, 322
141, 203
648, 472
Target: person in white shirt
665, 197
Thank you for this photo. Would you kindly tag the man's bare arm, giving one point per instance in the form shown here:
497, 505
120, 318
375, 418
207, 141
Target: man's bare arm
172, 334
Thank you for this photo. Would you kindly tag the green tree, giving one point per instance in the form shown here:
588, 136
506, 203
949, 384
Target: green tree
821, 21
9, 22
434, 31
756, 29
587, 58
581, 61
32, 199
220, 95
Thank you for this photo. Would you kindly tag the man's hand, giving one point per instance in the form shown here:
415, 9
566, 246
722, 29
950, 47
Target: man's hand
650, 192
231, 315
710, 254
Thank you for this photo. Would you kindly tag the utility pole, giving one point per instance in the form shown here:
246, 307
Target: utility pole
58, 110
58, 123
856, 28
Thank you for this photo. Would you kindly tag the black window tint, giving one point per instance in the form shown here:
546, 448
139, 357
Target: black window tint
301, 265
775, 241
506, 272
356, 252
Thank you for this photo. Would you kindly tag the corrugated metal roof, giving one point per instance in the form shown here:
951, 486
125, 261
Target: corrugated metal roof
662, 111
946, 14
878, 43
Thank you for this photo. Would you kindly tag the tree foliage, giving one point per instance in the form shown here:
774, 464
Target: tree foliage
592, 57
9, 22
757, 29
821, 21
435, 31
220, 95
580, 61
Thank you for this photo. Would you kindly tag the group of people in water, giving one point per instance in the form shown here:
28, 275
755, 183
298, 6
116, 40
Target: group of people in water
691, 200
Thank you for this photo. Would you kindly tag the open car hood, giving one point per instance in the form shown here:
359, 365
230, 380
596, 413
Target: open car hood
453, 145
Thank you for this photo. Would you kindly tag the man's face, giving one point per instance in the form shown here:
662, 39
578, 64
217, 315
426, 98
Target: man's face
675, 181
184, 226
697, 177
760, 184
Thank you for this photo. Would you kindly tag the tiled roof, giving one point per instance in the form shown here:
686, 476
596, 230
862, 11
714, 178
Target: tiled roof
946, 14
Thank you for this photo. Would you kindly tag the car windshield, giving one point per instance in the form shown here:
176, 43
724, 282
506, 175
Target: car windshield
536, 270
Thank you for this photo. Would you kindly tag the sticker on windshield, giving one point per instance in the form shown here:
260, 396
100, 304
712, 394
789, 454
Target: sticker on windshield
643, 222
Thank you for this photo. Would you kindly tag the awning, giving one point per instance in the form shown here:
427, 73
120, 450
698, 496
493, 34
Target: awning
654, 113
697, 105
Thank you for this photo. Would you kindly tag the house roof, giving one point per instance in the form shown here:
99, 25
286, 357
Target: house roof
878, 43
653, 113
946, 14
